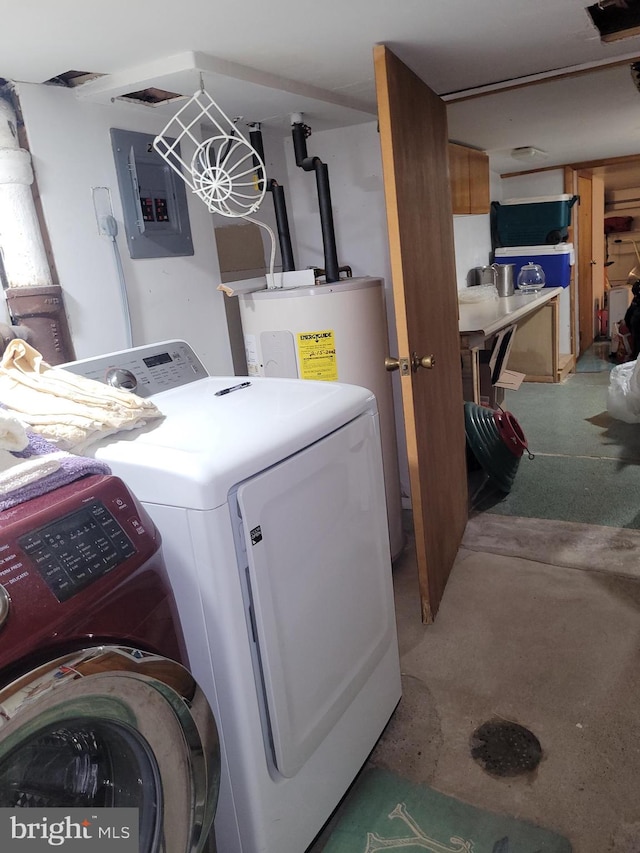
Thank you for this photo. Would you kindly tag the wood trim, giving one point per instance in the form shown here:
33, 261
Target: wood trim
566, 365
570, 187
586, 299
585, 164
520, 83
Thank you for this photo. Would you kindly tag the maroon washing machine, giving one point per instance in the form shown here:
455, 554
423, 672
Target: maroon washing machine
97, 706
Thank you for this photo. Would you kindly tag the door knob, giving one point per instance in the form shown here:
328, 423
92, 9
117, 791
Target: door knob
427, 361
405, 366
401, 364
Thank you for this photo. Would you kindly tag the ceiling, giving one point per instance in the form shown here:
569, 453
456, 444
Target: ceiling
264, 60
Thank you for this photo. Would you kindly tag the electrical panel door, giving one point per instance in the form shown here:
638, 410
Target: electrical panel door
154, 200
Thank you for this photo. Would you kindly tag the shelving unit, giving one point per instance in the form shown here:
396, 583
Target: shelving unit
620, 245
625, 237
623, 249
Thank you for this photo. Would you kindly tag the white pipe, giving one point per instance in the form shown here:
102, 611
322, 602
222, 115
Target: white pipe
23, 252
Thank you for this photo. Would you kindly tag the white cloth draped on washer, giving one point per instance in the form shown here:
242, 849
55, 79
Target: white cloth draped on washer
70, 411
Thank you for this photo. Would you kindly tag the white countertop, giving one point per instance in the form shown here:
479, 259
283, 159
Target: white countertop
491, 315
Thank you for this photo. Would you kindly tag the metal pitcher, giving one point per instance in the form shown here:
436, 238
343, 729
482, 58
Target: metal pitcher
481, 275
504, 278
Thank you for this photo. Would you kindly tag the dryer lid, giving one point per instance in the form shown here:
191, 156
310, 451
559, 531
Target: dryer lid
208, 443
113, 727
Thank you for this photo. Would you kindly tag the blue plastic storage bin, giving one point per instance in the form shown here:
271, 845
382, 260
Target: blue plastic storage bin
556, 261
532, 221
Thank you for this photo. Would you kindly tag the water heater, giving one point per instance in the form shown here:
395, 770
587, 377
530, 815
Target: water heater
329, 332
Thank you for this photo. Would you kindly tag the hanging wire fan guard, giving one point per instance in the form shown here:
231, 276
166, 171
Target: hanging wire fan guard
225, 171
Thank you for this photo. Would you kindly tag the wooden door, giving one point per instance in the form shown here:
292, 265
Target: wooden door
597, 243
586, 300
413, 138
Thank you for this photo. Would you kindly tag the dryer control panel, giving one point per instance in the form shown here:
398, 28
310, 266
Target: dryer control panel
144, 370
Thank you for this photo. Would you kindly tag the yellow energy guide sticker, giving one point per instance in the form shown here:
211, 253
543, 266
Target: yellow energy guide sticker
317, 355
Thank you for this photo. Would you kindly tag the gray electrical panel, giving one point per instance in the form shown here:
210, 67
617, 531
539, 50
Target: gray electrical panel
154, 199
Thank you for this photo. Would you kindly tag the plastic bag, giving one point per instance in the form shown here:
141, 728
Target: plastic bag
623, 396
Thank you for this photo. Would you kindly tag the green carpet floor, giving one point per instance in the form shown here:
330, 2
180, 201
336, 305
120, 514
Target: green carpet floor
386, 812
596, 359
587, 464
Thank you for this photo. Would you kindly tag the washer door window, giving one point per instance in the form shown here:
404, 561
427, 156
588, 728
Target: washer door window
113, 727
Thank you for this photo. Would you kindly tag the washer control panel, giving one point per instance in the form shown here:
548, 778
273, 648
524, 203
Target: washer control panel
76, 550
66, 551
144, 370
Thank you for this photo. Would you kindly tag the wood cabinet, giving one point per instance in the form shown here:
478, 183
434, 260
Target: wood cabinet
536, 347
469, 177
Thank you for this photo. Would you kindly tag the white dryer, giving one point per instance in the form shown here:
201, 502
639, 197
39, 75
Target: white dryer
270, 498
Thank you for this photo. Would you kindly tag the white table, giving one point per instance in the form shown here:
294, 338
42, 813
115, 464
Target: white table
492, 315
535, 345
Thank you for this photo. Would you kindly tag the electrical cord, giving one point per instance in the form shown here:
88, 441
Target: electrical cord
272, 258
110, 230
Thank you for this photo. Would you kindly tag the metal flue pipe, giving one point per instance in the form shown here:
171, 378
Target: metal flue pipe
32, 295
299, 134
24, 255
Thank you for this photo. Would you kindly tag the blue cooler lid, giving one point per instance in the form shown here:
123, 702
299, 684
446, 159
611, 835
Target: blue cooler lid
530, 251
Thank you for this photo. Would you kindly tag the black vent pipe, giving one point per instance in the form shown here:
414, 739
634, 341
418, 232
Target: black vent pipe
282, 221
255, 138
299, 133
279, 206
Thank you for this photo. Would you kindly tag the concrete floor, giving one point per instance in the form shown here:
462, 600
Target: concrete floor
553, 648
539, 625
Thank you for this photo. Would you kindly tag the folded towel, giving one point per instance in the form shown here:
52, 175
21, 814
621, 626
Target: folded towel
68, 410
13, 435
40, 468
16, 473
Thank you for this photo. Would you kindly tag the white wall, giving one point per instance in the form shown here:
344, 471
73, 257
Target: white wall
533, 184
177, 297
472, 239
169, 297
352, 155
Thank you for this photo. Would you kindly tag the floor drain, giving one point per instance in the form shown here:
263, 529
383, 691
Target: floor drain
505, 749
